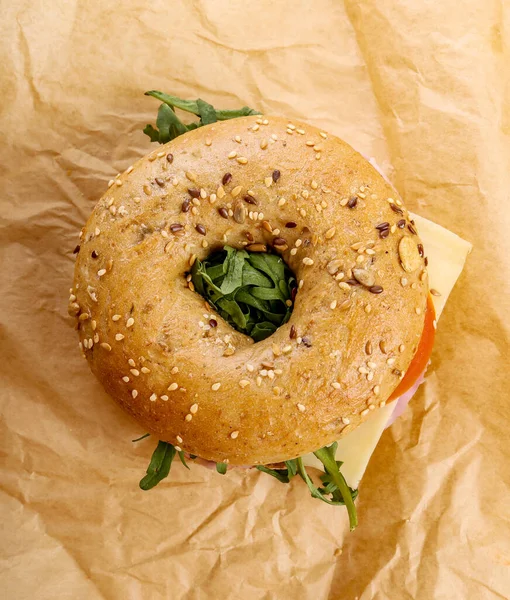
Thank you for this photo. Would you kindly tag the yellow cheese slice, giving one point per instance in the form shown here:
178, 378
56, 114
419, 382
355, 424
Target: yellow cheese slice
447, 254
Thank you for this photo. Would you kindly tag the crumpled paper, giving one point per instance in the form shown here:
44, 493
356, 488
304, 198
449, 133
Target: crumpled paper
423, 88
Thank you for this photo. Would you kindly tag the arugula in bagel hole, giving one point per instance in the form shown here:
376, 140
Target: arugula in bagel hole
250, 292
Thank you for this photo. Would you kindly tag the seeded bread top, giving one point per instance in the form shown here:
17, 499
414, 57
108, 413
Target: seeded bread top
258, 183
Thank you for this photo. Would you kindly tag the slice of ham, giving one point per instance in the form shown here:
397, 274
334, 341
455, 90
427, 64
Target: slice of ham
402, 402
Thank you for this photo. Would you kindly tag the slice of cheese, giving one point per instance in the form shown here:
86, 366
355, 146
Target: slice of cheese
447, 254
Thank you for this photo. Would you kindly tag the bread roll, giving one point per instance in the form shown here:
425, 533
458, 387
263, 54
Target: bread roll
357, 318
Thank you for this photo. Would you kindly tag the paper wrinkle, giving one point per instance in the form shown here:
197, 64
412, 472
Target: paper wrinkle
422, 89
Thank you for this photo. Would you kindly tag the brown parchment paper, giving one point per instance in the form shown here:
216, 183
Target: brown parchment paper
421, 86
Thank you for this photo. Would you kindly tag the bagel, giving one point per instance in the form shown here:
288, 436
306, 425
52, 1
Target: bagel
341, 229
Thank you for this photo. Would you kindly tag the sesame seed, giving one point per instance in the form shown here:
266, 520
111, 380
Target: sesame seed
255, 127
131, 362
83, 317
365, 412
119, 337
106, 346
244, 382
145, 370
232, 154
153, 397
323, 135
236, 191
401, 348
238, 139
215, 386
336, 385
179, 439
101, 272
434, 292
191, 176
345, 420
174, 370
259, 381
172, 387
287, 349
293, 252
263, 144
125, 379
368, 309
193, 408
333, 305
382, 404
134, 393
372, 365
301, 407
134, 372
417, 310
130, 322
250, 367
242, 160
330, 233
268, 181
164, 397
234, 434
403, 281
371, 406
376, 390
188, 417
307, 261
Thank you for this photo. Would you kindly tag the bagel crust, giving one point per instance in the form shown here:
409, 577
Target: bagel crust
185, 375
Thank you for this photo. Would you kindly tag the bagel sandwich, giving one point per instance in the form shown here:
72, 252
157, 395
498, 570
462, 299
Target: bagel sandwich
254, 292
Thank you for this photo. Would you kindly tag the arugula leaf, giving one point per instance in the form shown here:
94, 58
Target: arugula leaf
283, 475
206, 112
327, 456
151, 132
183, 459
159, 467
234, 270
280, 474
169, 124
221, 468
249, 290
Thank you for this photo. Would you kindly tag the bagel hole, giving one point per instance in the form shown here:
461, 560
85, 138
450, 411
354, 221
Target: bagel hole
254, 292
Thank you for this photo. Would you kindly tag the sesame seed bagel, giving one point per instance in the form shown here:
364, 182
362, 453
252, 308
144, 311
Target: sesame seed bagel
357, 318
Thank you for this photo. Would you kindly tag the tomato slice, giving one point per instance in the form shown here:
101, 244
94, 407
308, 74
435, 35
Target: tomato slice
422, 356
